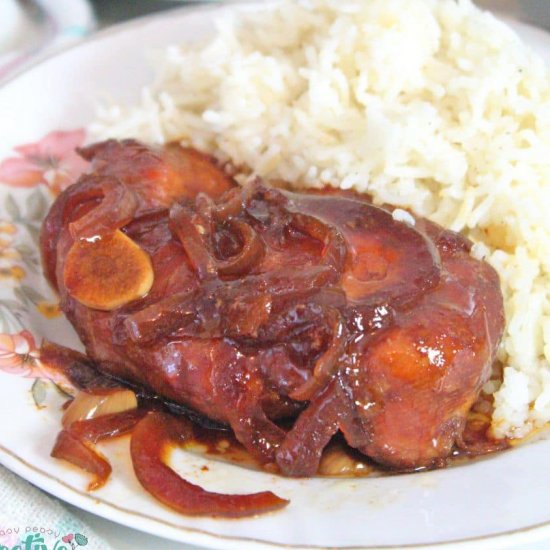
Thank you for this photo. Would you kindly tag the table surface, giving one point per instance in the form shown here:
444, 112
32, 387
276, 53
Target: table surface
109, 12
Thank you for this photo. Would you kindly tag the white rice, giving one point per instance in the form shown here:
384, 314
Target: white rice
430, 105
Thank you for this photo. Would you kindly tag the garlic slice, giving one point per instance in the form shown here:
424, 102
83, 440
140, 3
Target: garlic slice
107, 272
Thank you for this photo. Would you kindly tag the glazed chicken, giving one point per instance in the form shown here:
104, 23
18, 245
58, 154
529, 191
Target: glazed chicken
287, 316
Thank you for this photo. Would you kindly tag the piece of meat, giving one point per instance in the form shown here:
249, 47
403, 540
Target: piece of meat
268, 305
129, 180
415, 382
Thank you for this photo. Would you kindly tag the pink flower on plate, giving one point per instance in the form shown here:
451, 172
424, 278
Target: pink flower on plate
18, 354
52, 161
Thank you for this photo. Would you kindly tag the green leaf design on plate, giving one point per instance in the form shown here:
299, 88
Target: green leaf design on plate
29, 257
12, 208
32, 295
10, 316
36, 206
11, 304
22, 298
34, 231
80, 539
39, 392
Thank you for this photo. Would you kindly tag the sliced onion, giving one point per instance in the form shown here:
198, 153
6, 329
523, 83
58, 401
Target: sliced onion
85, 191
91, 404
229, 205
250, 255
106, 426
84, 456
265, 204
327, 364
389, 261
214, 311
116, 209
150, 443
188, 231
301, 451
335, 248
75, 443
244, 396
194, 232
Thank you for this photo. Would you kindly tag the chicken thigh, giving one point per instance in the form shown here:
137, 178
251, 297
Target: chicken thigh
254, 304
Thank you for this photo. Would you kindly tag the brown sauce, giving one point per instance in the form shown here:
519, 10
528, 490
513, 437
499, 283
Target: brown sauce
339, 460
342, 461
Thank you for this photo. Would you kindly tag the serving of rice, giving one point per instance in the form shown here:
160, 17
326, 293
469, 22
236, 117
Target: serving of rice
430, 105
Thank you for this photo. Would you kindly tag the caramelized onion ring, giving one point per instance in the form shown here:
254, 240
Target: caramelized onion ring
74, 444
150, 442
229, 206
117, 208
250, 254
301, 451
190, 233
212, 311
84, 456
389, 261
335, 249
328, 363
106, 426
194, 231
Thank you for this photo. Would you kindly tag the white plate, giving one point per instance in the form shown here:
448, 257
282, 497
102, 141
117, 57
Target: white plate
506, 495
55, 24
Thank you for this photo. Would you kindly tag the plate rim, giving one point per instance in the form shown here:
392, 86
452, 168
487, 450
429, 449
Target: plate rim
77, 497
80, 498
63, 26
116, 29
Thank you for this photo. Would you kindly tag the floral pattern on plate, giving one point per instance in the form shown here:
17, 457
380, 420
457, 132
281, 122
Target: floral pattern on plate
39, 172
52, 161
